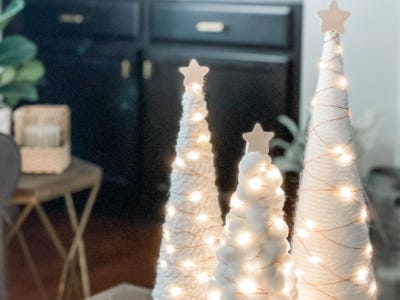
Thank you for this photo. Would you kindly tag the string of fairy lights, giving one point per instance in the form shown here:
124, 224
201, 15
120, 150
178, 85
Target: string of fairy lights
188, 206
246, 235
345, 157
185, 164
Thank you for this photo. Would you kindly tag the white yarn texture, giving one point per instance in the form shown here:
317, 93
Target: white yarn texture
253, 259
193, 223
331, 246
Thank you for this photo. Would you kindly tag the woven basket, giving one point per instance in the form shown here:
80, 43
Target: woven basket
44, 160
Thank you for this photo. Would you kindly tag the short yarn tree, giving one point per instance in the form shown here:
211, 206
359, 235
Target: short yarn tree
193, 223
331, 247
253, 259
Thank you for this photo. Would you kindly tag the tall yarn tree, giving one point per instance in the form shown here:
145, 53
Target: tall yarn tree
331, 247
253, 258
193, 223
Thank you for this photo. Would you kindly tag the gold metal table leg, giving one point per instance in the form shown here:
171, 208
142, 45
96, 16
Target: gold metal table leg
29, 259
81, 245
78, 237
18, 223
56, 241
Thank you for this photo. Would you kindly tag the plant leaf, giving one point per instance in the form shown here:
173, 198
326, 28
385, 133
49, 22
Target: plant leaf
15, 91
7, 76
31, 72
12, 9
16, 50
289, 124
279, 143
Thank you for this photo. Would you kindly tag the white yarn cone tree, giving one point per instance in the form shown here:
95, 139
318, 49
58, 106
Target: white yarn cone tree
331, 247
193, 222
253, 259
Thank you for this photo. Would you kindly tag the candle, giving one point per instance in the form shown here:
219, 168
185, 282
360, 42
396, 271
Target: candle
43, 136
5, 119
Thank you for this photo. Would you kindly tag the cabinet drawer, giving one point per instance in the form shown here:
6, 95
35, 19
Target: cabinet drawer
79, 18
254, 25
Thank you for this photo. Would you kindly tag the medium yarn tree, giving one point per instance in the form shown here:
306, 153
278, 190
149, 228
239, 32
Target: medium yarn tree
193, 223
253, 259
331, 247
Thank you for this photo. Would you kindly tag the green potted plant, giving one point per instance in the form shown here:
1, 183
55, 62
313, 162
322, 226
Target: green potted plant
19, 70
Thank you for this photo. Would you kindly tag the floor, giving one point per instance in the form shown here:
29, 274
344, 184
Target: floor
118, 250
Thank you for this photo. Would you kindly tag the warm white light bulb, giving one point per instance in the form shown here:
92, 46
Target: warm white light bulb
279, 191
279, 223
170, 249
210, 240
373, 288
338, 150
324, 65
274, 173
202, 218
214, 296
171, 211
303, 233
314, 102
364, 214
342, 83
346, 193
315, 259
255, 183
195, 196
299, 273
368, 250
346, 158
247, 286
166, 234
179, 162
197, 117
243, 238
288, 266
163, 264
193, 155
202, 277
175, 291
309, 224
203, 138
188, 264
362, 275
235, 202
196, 88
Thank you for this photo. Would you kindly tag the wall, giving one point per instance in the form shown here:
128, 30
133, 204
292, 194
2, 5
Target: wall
372, 65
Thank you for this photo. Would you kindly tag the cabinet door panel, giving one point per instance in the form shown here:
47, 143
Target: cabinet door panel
238, 93
104, 111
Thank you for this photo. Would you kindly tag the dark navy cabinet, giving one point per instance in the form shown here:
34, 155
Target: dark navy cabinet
115, 63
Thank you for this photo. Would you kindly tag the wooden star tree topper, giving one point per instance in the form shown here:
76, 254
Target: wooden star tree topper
194, 73
333, 18
258, 140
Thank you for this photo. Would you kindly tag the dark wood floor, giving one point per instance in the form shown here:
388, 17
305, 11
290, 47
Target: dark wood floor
118, 250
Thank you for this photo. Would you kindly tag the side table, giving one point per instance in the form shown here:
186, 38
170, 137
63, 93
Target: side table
32, 191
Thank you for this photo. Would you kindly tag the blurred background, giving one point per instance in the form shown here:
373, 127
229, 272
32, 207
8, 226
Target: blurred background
114, 64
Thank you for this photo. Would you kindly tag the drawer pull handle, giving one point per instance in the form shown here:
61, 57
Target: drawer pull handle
147, 69
125, 69
71, 18
210, 27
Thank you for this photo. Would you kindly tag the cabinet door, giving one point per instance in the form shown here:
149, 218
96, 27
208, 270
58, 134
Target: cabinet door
103, 99
240, 91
